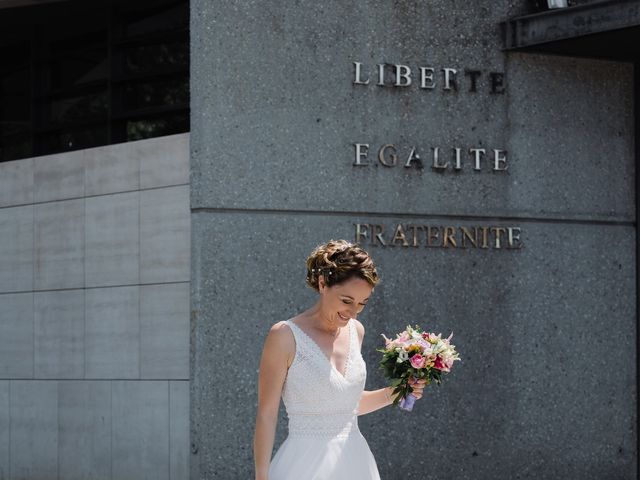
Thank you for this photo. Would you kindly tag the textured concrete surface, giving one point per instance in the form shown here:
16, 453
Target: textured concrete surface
34, 428
164, 331
16, 249
278, 97
16, 335
58, 176
59, 244
112, 332
272, 147
111, 169
145, 404
16, 182
130, 166
163, 162
574, 151
84, 430
164, 235
64, 251
85, 344
528, 399
4, 429
112, 240
155, 162
59, 334
98, 429
179, 430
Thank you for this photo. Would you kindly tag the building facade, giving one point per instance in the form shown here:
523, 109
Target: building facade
94, 337
159, 194
494, 186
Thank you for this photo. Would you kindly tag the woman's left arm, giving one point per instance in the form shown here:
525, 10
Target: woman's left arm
373, 400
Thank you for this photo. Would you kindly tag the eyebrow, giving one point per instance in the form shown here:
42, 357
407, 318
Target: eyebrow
349, 296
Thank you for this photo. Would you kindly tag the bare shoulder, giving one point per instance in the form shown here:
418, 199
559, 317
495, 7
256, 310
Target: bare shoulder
359, 329
281, 333
280, 341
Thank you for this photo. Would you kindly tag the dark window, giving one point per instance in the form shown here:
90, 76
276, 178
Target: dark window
78, 74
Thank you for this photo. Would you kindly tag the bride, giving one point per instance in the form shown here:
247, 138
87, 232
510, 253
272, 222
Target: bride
313, 362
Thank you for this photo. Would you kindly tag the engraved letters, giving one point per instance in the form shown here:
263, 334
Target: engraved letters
481, 237
437, 158
428, 78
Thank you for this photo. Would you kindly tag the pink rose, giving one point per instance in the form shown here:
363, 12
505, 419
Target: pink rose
440, 365
418, 361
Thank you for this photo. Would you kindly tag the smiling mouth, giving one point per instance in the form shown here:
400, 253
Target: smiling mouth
342, 317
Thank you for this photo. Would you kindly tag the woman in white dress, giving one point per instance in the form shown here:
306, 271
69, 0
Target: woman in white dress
313, 362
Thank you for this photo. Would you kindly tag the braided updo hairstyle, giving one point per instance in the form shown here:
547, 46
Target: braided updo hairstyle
337, 261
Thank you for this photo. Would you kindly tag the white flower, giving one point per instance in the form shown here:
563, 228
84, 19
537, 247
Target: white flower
403, 355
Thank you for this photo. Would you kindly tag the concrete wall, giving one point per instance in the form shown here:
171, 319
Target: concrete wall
94, 313
547, 333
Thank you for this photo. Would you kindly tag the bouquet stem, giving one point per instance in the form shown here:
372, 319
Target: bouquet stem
406, 403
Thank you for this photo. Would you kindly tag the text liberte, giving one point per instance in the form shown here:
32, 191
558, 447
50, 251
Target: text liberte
429, 78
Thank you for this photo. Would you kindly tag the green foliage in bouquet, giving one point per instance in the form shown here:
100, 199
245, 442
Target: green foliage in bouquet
415, 354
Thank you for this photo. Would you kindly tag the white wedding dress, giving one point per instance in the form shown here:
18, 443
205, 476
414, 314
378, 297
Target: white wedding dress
324, 441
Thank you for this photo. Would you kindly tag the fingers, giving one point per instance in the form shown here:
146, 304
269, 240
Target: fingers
413, 382
418, 387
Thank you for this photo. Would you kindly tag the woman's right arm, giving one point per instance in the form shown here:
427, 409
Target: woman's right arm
279, 348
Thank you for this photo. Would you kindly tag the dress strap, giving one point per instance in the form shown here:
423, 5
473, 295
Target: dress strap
353, 332
292, 327
298, 334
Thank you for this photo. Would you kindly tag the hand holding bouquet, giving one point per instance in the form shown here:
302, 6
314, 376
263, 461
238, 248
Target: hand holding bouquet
418, 354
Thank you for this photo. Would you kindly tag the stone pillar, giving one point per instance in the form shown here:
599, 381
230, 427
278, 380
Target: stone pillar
495, 191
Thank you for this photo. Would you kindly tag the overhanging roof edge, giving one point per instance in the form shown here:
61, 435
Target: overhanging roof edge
571, 22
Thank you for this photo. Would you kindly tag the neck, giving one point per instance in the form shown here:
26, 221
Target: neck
323, 321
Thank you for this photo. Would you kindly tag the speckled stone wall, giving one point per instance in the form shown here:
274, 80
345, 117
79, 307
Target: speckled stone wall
547, 332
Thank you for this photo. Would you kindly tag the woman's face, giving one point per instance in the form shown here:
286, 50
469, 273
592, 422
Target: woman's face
344, 300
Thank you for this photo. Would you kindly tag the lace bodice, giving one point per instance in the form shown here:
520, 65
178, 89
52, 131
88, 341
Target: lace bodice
320, 401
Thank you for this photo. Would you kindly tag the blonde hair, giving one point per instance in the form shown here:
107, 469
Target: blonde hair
337, 261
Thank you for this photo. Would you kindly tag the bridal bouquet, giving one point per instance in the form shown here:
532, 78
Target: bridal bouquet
418, 354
